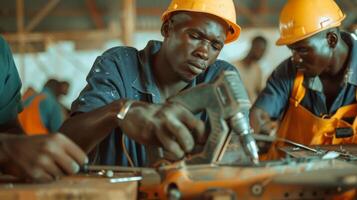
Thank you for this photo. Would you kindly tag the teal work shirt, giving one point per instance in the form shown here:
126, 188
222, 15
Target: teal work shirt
10, 85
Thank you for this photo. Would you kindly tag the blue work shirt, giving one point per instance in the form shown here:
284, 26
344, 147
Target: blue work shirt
10, 85
125, 72
274, 99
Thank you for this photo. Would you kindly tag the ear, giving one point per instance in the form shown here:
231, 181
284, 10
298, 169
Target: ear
165, 28
332, 39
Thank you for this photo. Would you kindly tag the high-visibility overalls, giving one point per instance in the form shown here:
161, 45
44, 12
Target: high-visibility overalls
302, 126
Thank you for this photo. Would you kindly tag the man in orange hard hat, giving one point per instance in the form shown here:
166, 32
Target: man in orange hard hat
312, 94
127, 88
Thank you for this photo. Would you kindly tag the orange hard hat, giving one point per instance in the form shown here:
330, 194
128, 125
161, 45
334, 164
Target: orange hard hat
300, 19
223, 9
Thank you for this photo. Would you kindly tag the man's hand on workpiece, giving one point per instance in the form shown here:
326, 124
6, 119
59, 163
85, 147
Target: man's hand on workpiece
40, 158
169, 125
263, 124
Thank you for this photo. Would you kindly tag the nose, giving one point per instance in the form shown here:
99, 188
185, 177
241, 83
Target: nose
202, 50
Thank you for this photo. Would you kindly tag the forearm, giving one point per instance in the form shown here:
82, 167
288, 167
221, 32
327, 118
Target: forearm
3, 138
3, 156
12, 127
89, 129
258, 118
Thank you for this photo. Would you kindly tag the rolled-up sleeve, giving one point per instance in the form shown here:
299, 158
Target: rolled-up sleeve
104, 85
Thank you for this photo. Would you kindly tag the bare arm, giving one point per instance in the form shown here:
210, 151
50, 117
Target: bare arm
39, 158
261, 121
259, 81
171, 126
12, 126
88, 129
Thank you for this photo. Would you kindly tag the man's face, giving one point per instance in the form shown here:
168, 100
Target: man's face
258, 49
193, 42
312, 55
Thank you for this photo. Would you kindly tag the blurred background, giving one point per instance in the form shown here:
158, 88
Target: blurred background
61, 38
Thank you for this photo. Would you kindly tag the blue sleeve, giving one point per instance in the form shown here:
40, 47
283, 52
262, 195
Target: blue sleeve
51, 114
104, 85
10, 85
274, 98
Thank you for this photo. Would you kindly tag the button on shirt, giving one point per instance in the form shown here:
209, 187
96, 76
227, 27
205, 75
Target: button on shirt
10, 85
274, 98
125, 72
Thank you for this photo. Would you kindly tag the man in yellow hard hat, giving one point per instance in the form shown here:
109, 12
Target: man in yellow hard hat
123, 105
312, 94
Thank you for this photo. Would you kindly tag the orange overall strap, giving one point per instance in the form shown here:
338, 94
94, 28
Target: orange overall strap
30, 117
299, 90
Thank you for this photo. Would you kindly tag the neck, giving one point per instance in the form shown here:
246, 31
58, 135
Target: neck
247, 61
169, 83
339, 61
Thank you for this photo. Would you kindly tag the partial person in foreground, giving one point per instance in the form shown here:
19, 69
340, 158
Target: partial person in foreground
37, 158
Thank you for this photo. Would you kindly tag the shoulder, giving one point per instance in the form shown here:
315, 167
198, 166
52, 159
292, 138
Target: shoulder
2, 42
118, 53
5, 54
7, 67
285, 70
116, 60
48, 101
221, 65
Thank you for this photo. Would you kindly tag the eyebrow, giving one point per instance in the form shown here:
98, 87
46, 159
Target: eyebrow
202, 34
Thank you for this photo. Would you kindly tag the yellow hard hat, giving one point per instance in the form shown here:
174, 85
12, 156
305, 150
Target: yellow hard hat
300, 19
223, 9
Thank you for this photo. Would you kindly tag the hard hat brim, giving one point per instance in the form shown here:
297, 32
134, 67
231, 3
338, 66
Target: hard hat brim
230, 36
287, 41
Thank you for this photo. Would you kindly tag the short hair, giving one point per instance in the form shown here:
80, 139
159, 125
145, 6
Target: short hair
52, 83
259, 39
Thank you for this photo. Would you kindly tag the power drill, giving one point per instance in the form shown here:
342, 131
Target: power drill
226, 104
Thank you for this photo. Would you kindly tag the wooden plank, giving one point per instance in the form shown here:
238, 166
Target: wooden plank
128, 21
95, 14
20, 13
75, 187
42, 14
263, 7
66, 35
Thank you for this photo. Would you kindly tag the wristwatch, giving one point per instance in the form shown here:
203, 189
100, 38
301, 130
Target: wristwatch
124, 109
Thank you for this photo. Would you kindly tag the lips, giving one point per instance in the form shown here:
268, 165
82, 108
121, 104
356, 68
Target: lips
196, 68
302, 69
